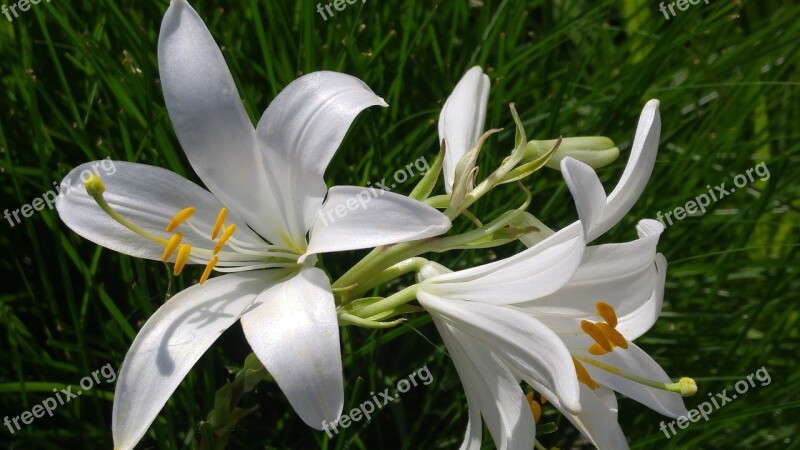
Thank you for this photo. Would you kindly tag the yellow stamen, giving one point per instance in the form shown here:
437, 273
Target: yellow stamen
208, 269
172, 245
220, 221
179, 218
542, 399
607, 312
583, 375
592, 330
685, 386
225, 236
180, 260
615, 337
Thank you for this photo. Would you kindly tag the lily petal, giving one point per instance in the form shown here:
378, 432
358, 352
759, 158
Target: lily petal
299, 134
519, 339
492, 393
462, 119
210, 120
171, 342
637, 361
639, 168
620, 274
533, 273
149, 197
637, 322
356, 217
598, 420
293, 329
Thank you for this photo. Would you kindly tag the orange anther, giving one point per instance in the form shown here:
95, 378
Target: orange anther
614, 336
607, 312
208, 269
225, 236
583, 375
220, 221
180, 260
172, 245
179, 218
592, 330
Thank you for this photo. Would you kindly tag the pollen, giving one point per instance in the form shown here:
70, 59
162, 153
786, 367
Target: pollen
179, 218
605, 334
615, 337
583, 375
208, 269
595, 333
220, 221
607, 312
536, 408
180, 260
225, 236
172, 245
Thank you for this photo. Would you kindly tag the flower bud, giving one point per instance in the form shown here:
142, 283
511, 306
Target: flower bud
595, 151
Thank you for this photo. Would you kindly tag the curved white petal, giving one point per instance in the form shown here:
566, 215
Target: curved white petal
462, 118
210, 120
492, 393
637, 322
598, 420
590, 198
533, 273
356, 217
518, 338
636, 361
637, 171
300, 132
171, 342
620, 274
293, 329
633, 180
149, 197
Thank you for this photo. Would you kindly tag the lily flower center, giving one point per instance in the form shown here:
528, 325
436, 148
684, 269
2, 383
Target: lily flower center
607, 338
241, 255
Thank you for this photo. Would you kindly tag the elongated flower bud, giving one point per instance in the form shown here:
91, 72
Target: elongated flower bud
595, 151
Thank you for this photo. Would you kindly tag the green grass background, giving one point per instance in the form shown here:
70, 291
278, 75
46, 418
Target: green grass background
79, 81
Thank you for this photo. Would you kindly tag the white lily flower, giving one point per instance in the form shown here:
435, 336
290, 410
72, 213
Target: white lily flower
612, 297
265, 194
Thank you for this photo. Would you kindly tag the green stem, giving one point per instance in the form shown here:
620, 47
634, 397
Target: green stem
393, 301
409, 265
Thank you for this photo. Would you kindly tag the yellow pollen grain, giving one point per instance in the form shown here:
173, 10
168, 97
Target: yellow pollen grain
179, 218
208, 269
583, 375
596, 350
225, 236
172, 245
592, 330
220, 221
180, 260
614, 336
607, 312
536, 409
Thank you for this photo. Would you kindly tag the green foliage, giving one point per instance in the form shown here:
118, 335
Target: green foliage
79, 81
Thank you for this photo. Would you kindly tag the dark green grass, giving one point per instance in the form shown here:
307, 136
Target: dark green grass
79, 81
